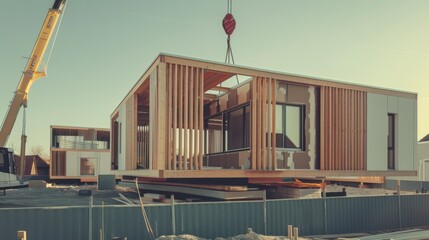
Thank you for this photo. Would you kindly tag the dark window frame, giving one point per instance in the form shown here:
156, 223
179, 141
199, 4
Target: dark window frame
223, 138
391, 165
302, 108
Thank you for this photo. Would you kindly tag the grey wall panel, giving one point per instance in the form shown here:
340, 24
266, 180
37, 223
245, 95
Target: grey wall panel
360, 214
406, 136
307, 215
376, 132
392, 104
210, 220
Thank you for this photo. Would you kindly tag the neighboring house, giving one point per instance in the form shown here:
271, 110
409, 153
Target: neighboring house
184, 119
79, 153
423, 158
34, 165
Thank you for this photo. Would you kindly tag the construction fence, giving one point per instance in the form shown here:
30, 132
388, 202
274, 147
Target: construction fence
220, 219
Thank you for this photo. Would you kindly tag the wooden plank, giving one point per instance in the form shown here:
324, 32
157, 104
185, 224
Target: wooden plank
263, 123
286, 77
201, 116
174, 132
191, 118
180, 108
296, 173
170, 116
253, 122
196, 118
161, 116
259, 124
322, 127
221, 89
269, 126
273, 140
186, 113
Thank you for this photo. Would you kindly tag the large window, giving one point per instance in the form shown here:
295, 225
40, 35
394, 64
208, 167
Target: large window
290, 126
237, 129
228, 131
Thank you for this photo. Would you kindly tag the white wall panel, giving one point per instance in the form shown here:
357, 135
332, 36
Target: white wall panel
377, 131
72, 165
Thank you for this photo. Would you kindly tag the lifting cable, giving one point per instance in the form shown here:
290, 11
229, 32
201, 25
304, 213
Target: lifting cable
55, 37
229, 24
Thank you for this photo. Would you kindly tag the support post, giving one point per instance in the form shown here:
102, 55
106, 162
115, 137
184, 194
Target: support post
265, 211
295, 233
91, 202
289, 231
399, 203
173, 216
21, 235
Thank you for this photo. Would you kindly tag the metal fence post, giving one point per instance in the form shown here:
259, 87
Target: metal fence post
91, 202
173, 216
399, 204
265, 211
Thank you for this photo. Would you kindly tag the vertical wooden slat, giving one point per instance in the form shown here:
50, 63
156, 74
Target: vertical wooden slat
196, 118
185, 125
175, 116
170, 112
253, 121
269, 126
201, 116
322, 127
191, 119
259, 123
263, 123
180, 127
273, 130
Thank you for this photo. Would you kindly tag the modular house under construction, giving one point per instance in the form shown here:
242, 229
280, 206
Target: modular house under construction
184, 119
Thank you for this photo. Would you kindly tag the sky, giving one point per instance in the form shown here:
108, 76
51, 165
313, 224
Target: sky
104, 46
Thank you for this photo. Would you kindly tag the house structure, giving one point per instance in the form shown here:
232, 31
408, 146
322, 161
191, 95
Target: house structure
34, 166
181, 120
79, 153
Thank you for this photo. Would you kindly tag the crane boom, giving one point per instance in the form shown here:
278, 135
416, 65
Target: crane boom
31, 73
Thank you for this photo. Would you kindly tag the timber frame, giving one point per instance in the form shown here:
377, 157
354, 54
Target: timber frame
164, 130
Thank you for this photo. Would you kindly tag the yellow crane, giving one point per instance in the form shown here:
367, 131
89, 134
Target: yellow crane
30, 75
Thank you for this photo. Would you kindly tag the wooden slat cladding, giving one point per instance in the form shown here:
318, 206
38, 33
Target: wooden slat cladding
343, 129
185, 134
263, 115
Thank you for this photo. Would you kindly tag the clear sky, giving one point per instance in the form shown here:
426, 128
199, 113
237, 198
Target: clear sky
104, 46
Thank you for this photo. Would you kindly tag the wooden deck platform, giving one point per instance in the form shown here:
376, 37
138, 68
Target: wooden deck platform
224, 173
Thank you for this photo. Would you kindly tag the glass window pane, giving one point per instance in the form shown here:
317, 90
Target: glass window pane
247, 127
293, 127
234, 129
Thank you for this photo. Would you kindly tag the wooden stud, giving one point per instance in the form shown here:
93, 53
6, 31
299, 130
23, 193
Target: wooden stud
180, 117
273, 141
269, 127
253, 130
175, 116
170, 117
191, 119
201, 116
263, 123
186, 113
196, 118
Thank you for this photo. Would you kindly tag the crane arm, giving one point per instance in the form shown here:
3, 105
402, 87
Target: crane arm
31, 73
